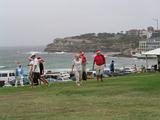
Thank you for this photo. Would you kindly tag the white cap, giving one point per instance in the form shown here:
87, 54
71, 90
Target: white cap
33, 54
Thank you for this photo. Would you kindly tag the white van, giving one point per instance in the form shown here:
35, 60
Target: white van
7, 76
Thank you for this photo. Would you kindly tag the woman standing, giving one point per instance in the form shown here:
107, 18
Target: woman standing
77, 69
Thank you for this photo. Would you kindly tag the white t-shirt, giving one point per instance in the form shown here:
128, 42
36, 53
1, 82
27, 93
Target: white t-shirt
31, 66
36, 65
77, 65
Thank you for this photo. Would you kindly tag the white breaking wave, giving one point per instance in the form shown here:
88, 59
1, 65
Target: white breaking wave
35, 52
60, 52
2, 67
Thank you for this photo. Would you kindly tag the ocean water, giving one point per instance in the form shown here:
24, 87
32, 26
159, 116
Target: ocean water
58, 62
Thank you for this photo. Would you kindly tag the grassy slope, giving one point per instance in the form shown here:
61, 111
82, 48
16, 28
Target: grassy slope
135, 97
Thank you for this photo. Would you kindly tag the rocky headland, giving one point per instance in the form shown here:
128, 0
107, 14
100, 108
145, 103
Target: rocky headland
107, 42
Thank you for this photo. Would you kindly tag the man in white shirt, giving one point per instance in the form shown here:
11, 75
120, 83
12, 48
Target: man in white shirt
35, 70
30, 70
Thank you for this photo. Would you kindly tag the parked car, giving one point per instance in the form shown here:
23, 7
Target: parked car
52, 76
57, 76
64, 74
128, 70
63, 79
7, 77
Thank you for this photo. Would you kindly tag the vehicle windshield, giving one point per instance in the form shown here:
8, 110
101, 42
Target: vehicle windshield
3, 74
11, 74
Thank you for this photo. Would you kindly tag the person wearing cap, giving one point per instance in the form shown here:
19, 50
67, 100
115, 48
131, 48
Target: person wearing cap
19, 75
99, 64
35, 70
77, 69
84, 62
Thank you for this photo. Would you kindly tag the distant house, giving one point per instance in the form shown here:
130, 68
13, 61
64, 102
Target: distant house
145, 33
150, 29
156, 33
133, 32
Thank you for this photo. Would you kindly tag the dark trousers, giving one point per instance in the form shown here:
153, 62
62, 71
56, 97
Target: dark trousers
36, 76
84, 75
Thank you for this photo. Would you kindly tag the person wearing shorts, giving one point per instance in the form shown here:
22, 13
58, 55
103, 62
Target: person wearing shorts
41, 68
99, 64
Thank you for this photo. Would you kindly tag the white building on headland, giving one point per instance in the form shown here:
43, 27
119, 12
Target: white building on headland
133, 32
152, 40
143, 33
149, 44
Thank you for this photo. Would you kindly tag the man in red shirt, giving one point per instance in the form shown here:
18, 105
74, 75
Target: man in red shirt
99, 64
84, 62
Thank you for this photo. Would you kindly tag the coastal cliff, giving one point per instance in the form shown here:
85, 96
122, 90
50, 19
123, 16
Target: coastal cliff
107, 42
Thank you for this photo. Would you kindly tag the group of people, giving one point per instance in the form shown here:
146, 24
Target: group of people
36, 72
36, 69
79, 66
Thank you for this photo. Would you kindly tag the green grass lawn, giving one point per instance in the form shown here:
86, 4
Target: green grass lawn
133, 97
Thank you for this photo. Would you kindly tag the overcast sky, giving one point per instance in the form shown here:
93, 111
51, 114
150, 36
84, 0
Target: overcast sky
38, 22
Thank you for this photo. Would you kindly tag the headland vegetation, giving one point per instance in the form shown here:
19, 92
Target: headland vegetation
90, 42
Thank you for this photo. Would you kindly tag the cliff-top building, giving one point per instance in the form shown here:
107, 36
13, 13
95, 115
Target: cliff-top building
152, 40
132, 32
141, 33
149, 44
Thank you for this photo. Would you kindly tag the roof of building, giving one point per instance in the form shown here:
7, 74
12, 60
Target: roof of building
153, 52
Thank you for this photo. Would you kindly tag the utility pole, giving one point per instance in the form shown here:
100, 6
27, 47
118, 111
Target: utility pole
156, 20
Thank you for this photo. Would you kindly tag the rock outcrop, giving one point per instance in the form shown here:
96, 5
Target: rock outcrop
75, 45
91, 42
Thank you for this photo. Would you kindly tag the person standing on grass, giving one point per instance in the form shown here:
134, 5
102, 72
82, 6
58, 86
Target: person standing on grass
19, 75
84, 62
135, 68
41, 67
30, 75
98, 64
77, 69
35, 70
112, 67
